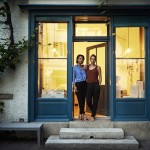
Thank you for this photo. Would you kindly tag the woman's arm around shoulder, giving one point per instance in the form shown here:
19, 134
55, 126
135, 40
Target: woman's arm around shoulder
85, 67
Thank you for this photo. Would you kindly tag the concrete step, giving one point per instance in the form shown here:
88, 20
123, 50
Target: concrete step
98, 123
54, 142
96, 133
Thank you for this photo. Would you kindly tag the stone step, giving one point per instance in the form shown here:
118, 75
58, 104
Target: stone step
96, 133
54, 142
98, 123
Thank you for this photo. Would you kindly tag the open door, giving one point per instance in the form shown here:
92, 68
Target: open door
100, 51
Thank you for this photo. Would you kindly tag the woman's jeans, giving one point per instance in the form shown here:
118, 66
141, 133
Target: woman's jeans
81, 94
92, 97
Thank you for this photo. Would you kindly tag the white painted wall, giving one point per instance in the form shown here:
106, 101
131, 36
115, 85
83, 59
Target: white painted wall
16, 82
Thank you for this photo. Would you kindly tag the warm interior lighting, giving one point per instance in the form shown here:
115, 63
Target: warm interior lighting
128, 49
52, 70
130, 62
54, 49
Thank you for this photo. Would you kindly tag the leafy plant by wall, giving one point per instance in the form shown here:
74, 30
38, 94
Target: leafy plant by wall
9, 49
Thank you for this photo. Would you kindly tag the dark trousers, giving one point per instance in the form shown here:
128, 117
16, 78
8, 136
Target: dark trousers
81, 94
92, 97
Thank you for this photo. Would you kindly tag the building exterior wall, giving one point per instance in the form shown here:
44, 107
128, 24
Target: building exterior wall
16, 82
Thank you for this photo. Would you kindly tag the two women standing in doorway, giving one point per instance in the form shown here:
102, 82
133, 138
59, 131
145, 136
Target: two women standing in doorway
87, 80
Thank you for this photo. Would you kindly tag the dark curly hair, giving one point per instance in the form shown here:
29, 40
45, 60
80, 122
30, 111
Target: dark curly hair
80, 55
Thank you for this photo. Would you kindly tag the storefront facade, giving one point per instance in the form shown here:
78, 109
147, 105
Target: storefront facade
125, 71
118, 34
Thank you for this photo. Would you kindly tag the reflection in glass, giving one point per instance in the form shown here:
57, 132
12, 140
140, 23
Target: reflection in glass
86, 29
52, 81
130, 64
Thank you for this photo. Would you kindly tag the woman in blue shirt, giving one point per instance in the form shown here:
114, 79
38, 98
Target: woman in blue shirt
79, 81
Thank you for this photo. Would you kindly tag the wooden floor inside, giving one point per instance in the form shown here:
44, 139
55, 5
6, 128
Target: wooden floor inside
76, 113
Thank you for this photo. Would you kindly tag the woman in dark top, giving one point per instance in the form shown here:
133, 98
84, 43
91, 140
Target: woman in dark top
80, 85
94, 80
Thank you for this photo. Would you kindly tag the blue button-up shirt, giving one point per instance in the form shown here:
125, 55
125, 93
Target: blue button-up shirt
79, 74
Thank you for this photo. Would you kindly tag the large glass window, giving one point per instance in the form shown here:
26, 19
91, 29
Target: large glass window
52, 60
130, 62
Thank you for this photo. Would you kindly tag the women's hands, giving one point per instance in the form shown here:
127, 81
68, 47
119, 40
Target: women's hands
75, 88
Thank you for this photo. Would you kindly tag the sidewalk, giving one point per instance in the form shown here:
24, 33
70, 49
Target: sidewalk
9, 141
20, 144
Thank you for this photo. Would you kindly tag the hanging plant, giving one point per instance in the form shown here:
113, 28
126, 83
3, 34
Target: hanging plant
106, 4
9, 49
